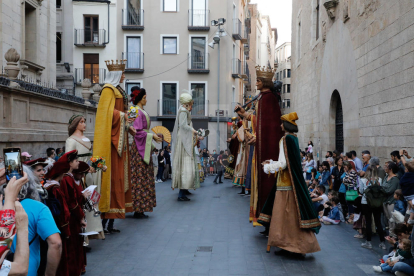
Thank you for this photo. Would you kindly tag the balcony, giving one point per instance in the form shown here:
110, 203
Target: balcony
199, 20
96, 75
90, 38
167, 107
245, 36
198, 64
132, 19
135, 62
236, 68
237, 29
244, 70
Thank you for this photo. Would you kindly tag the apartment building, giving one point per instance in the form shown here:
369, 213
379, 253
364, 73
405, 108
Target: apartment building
283, 74
169, 46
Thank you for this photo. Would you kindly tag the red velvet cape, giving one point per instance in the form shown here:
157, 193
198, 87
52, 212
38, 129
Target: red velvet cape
268, 135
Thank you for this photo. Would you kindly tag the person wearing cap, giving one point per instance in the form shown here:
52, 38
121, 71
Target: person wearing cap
25, 156
294, 221
75, 199
35, 170
55, 193
185, 174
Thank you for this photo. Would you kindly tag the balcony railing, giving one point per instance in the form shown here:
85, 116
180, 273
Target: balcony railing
169, 107
245, 35
135, 62
96, 75
237, 29
244, 70
198, 64
132, 19
236, 68
198, 20
90, 38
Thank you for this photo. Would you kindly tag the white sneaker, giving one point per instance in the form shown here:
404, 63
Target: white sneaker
377, 269
367, 244
382, 246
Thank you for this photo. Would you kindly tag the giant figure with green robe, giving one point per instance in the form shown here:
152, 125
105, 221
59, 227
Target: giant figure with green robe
294, 221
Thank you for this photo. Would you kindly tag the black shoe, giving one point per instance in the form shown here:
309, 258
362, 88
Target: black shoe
220, 183
183, 199
140, 215
114, 230
106, 232
87, 249
264, 233
241, 193
187, 193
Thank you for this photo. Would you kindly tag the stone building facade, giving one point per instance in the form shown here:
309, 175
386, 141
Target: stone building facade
29, 26
352, 74
35, 114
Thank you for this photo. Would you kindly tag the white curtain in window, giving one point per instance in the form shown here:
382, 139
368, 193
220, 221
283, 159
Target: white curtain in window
133, 52
199, 13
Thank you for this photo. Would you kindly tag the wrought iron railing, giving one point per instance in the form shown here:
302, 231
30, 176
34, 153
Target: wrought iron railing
169, 107
95, 75
236, 67
199, 18
135, 60
90, 37
132, 17
198, 61
237, 29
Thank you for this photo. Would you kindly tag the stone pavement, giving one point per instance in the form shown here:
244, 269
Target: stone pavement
173, 241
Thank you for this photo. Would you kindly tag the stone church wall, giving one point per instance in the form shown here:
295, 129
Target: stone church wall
366, 54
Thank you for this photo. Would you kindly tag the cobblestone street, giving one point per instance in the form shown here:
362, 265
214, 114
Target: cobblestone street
170, 240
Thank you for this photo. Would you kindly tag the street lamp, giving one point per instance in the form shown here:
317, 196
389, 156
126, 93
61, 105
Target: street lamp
216, 40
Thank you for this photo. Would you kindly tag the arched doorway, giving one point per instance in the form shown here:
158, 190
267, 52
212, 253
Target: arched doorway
339, 121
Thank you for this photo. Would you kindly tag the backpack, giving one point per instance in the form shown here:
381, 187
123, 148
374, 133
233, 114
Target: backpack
53, 204
375, 195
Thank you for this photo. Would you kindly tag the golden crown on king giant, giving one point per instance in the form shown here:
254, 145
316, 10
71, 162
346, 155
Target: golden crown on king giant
118, 66
266, 73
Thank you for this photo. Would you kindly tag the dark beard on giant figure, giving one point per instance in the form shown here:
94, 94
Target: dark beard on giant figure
268, 135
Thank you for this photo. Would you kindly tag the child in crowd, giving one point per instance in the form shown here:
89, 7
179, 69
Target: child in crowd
403, 251
334, 215
319, 173
400, 207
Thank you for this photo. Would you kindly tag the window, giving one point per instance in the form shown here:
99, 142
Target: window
30, 32
199, 98
288, 88
277, 76
198, 53
288, 73
91, 32
169, 98
284, 89
287, 103
91, 67
58, 47
133, 49
199, 13
170, 5
284, 74
58, 3
317, 20
283, 104
129, 85
169, 45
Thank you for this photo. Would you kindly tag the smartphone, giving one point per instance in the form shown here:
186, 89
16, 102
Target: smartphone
13, 163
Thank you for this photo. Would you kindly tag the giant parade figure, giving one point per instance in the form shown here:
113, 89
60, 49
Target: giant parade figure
266, 123
294, 221
111, 143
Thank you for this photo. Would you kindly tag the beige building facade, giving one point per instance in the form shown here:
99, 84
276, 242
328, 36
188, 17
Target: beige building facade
283, 57
352, 74
169, 45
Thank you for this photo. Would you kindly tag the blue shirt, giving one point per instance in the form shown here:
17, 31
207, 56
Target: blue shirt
325, 177
358, 164
41, 222
365, 167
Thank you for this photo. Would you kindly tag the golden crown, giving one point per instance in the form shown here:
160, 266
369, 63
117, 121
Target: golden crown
265, 73
118, 66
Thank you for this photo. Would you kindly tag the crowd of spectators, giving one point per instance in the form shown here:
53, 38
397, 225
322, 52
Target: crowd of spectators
372, 197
